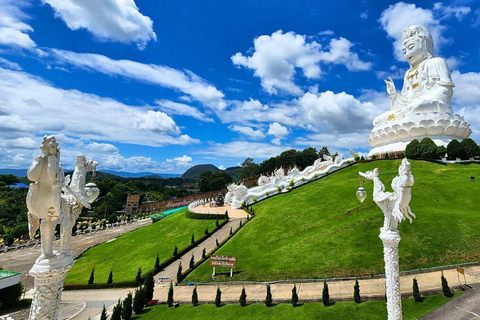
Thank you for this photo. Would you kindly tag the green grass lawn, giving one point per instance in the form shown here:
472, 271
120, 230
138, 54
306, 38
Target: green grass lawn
370, 310
138, 248
321, 230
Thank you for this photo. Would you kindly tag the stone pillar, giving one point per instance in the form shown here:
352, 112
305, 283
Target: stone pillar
390, 241
49, 275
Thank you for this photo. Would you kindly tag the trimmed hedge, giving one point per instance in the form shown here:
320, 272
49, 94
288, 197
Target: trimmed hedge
205, 216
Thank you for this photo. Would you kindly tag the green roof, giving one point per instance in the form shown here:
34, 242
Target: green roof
7, 274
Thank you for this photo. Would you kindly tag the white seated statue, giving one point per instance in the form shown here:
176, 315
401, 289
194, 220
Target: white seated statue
423, 108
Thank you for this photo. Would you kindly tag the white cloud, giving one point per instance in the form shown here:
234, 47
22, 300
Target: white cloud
108, 20
255, 150
221, 167
363, 15
183, 161
467, 89
248, 131
13, 30
9, 64
446, 12
278, 131
181, 109
356, 140
101, 148
31, 105
184, 81
276, 58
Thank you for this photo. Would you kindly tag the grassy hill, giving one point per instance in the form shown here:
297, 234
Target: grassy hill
321, 230
194, 172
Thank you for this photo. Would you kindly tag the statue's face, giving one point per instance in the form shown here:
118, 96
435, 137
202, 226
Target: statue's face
413, 50
52, 146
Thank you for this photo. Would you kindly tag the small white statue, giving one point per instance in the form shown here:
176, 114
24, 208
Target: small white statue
395, 205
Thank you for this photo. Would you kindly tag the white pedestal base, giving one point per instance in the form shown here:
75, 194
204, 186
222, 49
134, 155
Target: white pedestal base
390, 241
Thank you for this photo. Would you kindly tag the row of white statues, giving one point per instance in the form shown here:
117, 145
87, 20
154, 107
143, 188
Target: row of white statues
239, 194
54, 199
423, 107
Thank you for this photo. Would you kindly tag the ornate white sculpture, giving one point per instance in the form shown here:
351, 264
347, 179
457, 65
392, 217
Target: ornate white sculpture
50, 200
423, 108
395, 207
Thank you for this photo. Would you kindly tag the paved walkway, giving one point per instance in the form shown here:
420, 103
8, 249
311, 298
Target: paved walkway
22, 260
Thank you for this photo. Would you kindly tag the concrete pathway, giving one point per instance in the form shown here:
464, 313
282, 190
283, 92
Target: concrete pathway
465, 307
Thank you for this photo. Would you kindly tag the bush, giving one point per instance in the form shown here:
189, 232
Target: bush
427, 149
9, 296
195, 297
416, 292
471, 148
127, 307
103, 315
441, 151
294, 300
216, 223
268, 298
412, 150
170, 295
192, 262
192, 240
243, 298
110, 277
455, 150
138, 277
204, 216
325, 294
218, 298
206, 231
149, 287
356, 292
117, 311
216, 243
445, 288
139, 300
204, 253
83, 226
92, 277
175, 251
231, 231
113, 218
179, 273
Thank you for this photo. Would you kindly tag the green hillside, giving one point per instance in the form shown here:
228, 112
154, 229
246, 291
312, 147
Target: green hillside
321, 230
194, 172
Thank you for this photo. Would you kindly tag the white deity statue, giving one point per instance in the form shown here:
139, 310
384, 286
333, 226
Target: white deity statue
423, 107
44, 198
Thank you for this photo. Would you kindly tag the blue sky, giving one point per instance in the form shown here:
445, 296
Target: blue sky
163, 85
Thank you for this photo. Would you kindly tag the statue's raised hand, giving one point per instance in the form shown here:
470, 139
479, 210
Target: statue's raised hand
391, 90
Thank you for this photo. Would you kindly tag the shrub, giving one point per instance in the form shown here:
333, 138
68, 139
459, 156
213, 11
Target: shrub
157, 264
83, 226
127, 307
279, 189
92, 277
192, 240
138, 278
416, 292
455, 150
386, 157
117, 311
170, 295
204, 253
268, 298
103, 315
412, 150
149, 287
441, 151
179, 273
356, 157
356, 292
139, 300
294, 299
192, 262
216, 243
445, 288
113, 218
428, 149
243, 298
470, 147
206, 231
110, 277
216, 223
218, 298
175, 251
9, 296
325, 294
195, 297
231, 231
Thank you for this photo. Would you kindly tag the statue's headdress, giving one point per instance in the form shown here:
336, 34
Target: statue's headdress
424, 34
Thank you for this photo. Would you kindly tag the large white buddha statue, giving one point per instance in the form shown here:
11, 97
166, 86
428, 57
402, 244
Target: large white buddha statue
423, 108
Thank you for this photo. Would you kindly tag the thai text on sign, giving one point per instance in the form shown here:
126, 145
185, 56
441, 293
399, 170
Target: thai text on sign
223, 261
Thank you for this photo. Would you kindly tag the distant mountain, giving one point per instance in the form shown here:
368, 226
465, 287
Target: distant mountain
15, 172
234, 172
194, 172
142, 174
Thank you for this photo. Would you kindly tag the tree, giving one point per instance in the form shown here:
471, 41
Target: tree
110, 277
428, 149
138, 277
206, 231
455, 150
179, 273
306, 157
127, 307
441, 151
249, 168
92, 277
204, 253
139, 300
322, 152
149, 287
103, 315
204, 181
194, 297
192, 239
294, 299
445, 288
218, 298
117, 311
356, 292
412, 150
243, 298
471, 148
325, 294
170, 295
157, 264
416, 292
268, 298
192, 262
175, 251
